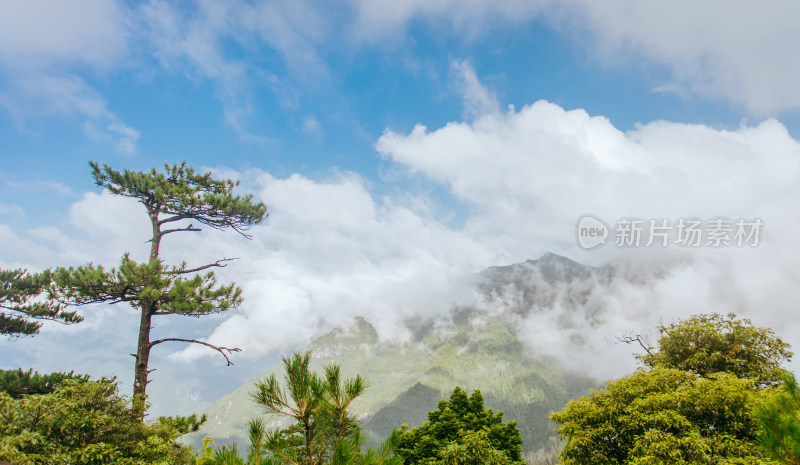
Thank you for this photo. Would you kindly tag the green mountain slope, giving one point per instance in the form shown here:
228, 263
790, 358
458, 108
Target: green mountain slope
473, 348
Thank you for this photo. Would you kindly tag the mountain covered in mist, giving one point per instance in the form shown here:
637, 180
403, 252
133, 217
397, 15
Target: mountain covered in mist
478, 346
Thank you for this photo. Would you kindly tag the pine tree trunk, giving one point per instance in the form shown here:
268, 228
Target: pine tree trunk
148, 310
142, 361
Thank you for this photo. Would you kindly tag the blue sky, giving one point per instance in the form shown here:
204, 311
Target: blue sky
310, 98
394, 140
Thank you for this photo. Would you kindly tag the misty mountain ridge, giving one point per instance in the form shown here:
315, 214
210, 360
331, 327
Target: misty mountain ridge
478, 346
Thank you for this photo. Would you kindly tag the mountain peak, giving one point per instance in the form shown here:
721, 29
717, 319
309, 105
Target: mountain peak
550, 257
552, 268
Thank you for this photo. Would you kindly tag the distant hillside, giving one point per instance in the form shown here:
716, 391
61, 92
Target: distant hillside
474, 348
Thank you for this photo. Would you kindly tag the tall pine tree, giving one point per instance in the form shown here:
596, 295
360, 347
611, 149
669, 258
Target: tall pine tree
177, 201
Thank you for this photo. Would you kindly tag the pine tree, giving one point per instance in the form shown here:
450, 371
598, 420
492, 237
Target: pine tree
172, 199
21, 305
779, 420
318, 405
18, 383
323, 430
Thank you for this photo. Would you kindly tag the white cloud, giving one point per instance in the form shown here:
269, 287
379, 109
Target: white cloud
37, 95
529, 175
331, 249
478, 100
122, 137
377, 20
328, 252
11, 210
537, 170
47, 33
45, 49
38, 185
740, 51
195, 40
109, 226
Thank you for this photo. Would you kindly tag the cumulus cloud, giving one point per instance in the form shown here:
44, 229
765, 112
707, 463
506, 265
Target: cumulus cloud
529, 175
331, 249
330, 252
537, 170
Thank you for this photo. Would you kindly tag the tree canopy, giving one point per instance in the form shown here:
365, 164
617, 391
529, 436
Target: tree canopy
23, 306
18, 383
179, 193
85, 422
676, 409
171, 199
461, 427
715, 343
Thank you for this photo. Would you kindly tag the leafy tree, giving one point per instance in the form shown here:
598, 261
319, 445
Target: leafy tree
87, 422
780, 424
323, 431
18, 383
461, 427
665, 416
472, 448
171, 199
21, 305
715, 343
676, 409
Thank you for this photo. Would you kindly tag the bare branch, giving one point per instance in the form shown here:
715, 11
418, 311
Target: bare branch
217, 264
173, 218
630, 339
105, 299
219, 349
188, 228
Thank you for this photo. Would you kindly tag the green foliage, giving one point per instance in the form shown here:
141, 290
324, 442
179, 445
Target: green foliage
18, 383
473, 448
21, 304
406, 382
461, 425
662, 415
164, 289
181, 193
323, 430
677, 409
87, 422
716, 343
172, 198
779, 419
